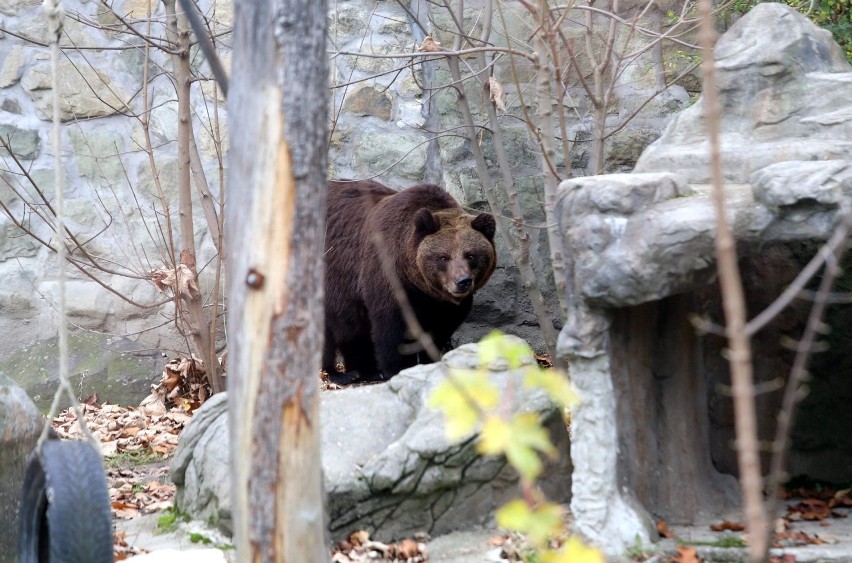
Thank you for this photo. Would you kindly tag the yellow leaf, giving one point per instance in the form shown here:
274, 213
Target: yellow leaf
513, 515
490, 347
528, 438
525, 461
527, 429
494, 437
463, 396
520, 440
554, 383
575, 551
539, 523
497, 346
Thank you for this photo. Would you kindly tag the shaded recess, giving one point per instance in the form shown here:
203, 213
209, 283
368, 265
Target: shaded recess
822, 434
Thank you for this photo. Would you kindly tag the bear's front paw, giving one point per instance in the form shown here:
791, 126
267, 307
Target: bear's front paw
344, 378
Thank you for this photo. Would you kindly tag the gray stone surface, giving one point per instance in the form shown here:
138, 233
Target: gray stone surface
369, 101
14, 7
86, 91
20, 425
13, 65
114, 368
773, 99
642, 247
110, 200
23, 142
200, 467
387, 465
405, 153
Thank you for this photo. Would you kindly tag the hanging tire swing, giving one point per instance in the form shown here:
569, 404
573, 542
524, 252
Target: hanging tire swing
65, 514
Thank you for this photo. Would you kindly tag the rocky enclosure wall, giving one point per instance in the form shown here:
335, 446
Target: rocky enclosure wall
391, 120
111, 184
654, 430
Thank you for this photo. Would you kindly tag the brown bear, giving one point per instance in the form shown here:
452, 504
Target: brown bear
440, 254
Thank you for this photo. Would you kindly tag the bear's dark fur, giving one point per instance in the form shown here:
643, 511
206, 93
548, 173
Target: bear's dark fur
439, 253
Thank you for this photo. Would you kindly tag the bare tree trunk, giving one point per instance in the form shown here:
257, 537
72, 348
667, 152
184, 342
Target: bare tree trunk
276, 222
194, 321
547, 139
519, 243
657, 50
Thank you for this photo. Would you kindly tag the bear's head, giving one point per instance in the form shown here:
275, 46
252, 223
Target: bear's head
454, 252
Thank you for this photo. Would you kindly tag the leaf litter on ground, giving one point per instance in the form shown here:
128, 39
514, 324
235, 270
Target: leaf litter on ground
358, 548
138, 441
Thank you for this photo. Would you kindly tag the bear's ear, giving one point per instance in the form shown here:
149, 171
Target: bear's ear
484, 223
425, 223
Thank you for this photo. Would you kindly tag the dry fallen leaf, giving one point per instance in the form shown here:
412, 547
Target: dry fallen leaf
181, 280
121, 549
496, 90
663, 529
183, 384
727, 526
407, 549
359, 548
429, 45
496, 541
809, 509
359, 537
686, 554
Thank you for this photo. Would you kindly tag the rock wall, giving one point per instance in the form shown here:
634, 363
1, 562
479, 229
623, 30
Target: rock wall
392, 120
110, 84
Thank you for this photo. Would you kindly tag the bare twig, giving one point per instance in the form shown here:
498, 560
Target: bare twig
806, 347
733, 301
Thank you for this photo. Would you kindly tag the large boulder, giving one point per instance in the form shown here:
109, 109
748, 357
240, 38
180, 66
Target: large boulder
20, 425
785, 93
388, 467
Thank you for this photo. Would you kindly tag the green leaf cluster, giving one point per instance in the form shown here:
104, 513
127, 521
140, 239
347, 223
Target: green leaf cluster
470, 401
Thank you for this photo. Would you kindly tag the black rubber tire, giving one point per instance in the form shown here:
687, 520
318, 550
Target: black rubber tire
65, 509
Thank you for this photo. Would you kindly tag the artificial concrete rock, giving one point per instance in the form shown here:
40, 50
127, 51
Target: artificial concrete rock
388, 467
653, 430
200, 466
775, 71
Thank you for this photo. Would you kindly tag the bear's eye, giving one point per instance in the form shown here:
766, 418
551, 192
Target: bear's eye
443, 258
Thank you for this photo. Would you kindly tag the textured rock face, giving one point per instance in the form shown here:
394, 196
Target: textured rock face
86, 91
387, 464
20, 425
643, 251
774, 101
107, 366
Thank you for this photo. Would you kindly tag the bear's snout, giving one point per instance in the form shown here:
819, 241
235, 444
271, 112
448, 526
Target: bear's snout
463, 283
